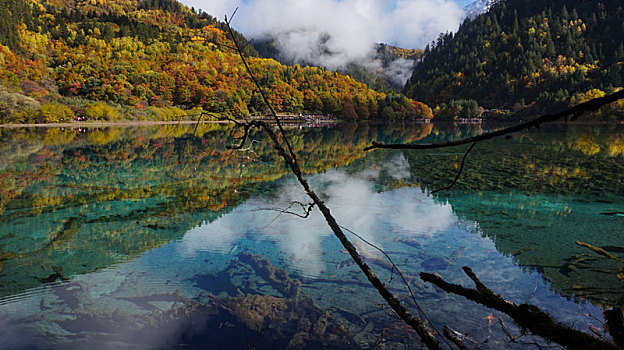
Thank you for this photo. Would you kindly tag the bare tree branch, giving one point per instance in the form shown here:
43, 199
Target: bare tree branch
242, 48
525, 315
307, 209
575, 111
459, 172
423, 330
255, 81
512, 338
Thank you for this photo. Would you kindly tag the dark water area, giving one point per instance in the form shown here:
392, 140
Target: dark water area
162, 238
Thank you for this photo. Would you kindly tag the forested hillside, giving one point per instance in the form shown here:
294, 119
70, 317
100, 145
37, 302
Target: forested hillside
155, 59
543, 54
385, 69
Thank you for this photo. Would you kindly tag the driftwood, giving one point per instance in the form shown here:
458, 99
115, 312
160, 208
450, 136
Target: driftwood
525, 315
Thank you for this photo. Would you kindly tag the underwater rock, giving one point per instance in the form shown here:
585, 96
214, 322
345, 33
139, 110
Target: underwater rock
279, 279
287, 322
253, 321
437, 263
409, 242
396, 336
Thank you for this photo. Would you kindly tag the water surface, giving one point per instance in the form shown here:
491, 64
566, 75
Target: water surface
158, 238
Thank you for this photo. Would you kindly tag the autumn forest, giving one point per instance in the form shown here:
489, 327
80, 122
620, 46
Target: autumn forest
157, 60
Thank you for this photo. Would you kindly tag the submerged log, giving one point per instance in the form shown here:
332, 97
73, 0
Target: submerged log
525, 315
278, 278
599, 251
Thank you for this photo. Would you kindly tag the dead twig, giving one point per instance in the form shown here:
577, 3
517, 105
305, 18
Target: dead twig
255, 81
243, 48
575, 111
512, 338
525, 315
459, 172
307, 209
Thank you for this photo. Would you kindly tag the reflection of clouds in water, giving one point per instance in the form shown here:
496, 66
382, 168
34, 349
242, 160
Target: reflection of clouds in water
397, 167
378, 217
219, 235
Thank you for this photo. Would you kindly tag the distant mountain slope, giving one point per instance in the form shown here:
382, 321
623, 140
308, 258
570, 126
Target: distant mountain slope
387, 68
106, 59
549, 53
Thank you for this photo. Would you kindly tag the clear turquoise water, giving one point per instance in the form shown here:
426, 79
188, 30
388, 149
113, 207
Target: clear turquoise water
142, 240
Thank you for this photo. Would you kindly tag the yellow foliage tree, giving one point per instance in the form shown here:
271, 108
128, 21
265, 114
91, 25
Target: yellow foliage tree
55, 113
101, 111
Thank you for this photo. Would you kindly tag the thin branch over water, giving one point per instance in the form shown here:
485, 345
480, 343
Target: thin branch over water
589, 106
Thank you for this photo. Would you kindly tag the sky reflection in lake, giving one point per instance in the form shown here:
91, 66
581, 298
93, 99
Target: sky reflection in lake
144, 229
354, 200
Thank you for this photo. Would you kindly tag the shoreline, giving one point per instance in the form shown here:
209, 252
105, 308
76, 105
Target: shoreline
112, 124
127, 123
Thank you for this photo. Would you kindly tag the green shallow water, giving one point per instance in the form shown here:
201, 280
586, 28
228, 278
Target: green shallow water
160, 238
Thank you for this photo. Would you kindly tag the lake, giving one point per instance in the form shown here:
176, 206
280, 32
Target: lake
162, 238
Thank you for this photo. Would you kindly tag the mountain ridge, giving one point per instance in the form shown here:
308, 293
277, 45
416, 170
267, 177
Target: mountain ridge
156, 59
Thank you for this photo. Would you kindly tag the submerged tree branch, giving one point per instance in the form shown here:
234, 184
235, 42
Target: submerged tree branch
525, 315
459, 172
598, 250
423, 330
575, 111
459, 339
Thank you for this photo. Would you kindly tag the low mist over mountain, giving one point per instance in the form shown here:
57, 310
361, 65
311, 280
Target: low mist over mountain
336, 34
385, 67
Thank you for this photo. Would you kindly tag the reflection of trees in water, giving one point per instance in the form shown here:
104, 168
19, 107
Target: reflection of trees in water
133, 189
191, 174
534, 194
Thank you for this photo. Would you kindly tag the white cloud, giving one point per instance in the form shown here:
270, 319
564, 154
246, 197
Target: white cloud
352, 27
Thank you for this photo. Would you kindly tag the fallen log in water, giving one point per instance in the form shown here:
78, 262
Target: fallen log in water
525, 315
